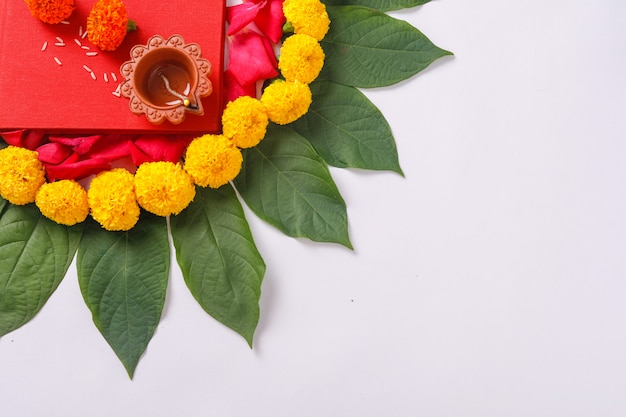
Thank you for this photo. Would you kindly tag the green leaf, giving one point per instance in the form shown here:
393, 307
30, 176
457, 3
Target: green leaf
382, 5
123, 278
347, 130
219, 260
286, 183
35, 254
367, 48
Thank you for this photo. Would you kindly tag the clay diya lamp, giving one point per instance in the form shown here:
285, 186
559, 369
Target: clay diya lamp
165, 79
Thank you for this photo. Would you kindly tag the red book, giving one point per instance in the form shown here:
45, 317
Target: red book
50, 89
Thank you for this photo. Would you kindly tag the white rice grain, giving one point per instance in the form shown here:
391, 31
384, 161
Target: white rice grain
65, 22
59, 44
84, 35
78, 42
44, 46
114, 76
106, 78
60, 40
87, 68
91, 53
93, 75
58, 61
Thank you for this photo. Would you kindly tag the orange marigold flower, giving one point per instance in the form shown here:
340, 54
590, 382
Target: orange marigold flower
301, 58
163, 188
21, 175
213, 160
51, 11
245, 121
64, 202
307, 16
286, 101
112, 199
107, 24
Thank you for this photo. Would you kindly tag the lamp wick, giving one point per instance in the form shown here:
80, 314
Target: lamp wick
169, 89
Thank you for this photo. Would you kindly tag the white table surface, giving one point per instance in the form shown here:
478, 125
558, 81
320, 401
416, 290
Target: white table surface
490, 281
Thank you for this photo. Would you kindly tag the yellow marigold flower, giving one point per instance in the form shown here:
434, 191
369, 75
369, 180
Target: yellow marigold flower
301, 58
64, 202
286, 101
244, 121
21, 175
308, 17
112, 199
51, 11
107, 24
163, 188
213, 160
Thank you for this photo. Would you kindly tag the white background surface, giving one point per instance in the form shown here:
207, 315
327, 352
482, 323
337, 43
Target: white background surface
490, 281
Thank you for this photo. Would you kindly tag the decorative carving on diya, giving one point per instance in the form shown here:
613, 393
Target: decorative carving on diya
165, 79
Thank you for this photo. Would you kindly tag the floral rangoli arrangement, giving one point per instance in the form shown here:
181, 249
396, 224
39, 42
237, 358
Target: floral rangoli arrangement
293, 107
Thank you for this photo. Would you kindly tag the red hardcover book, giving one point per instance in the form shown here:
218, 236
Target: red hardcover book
49, 88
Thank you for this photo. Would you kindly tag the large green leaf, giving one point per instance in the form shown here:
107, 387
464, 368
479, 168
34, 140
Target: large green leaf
123, 278
219, 260
382, 5
367, 48
35, 254
347, 130
286, 183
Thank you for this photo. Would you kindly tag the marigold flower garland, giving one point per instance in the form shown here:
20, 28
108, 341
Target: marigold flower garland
114, 197
126, 181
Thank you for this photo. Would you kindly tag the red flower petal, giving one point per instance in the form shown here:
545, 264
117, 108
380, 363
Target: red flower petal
270, 20
14, 137
32, 139
251, 58
111, 147
137, 154
241, 15
234, 89
76, 170
161, 147
24, 138
53, 153
80, 145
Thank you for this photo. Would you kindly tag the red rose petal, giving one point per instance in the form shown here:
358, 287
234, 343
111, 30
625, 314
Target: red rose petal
81, 145
53, 153
139, 157
251, 58
111, 147
162, 147
241, 15
76, 170
233, 89
270, 20
14, 137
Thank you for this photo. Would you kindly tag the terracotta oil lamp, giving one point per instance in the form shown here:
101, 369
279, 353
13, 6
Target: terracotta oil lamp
165, 79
